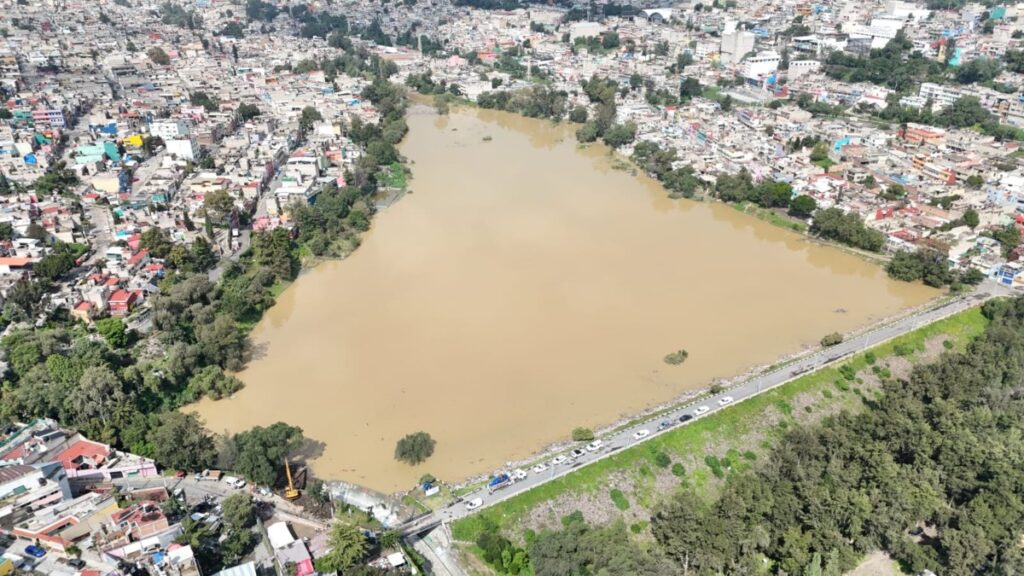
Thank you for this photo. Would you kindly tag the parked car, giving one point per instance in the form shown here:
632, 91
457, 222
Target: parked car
594, 446
576, 453
701, 410
519, 474
539, 468
664, 424
76, 563
724, 400
641, 434
474, 503
685, 418
179, 474
558, 460
35, 551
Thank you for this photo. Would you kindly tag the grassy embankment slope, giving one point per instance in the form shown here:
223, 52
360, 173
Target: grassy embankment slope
701, 455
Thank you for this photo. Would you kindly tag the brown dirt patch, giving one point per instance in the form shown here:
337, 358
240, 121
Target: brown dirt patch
876, 564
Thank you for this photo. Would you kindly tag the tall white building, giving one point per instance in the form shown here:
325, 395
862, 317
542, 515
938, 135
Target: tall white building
177, 136
735, 43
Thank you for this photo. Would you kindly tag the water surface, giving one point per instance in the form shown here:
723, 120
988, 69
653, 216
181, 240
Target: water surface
525, 288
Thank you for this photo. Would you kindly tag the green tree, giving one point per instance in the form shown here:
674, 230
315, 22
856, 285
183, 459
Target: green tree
114, 331
803, 206
414, 448
309, 116
975, 181
218, 206
158, 56
247, 112
971, 218
347, 545
237, 510
181, 443
582, 434
578, 115
261, 451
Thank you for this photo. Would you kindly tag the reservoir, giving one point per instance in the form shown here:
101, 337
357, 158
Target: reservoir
524, 288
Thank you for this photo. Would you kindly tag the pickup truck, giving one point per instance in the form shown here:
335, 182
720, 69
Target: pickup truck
498, 482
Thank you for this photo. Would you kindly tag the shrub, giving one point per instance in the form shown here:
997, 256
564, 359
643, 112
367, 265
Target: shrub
870, 357
847, 372
662, 460
582, 434
842, 385
573, 518
826, 393
714, 465
903, 350
619, 499
678, 469
947, 344
749, 455
676, 358
637, 527
716, 389
831, 339
414, 448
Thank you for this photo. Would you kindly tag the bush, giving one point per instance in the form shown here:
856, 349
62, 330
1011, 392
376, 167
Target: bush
715, 465
619, 499
831, 339
903, 350
847, 372
678, 469
947, 344
414, 448
716, 389
750, 455
676, 358
575, 517
662, 460
582, 434
870, 358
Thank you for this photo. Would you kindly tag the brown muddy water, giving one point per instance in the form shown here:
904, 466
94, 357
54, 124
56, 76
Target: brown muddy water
526, 287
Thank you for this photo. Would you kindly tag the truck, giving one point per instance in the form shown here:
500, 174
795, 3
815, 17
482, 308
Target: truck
498, 482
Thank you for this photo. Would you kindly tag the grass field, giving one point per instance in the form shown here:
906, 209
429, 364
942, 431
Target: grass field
629, 484
770, 216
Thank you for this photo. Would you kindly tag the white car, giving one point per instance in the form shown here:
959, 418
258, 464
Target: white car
724, 400
558, 460
539, 468
474, 503
701, 410
641, 434
519, 474
594, 446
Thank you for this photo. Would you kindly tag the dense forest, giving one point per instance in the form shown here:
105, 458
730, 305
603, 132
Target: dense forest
932, 472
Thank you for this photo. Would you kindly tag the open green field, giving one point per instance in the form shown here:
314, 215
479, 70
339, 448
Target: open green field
700, 455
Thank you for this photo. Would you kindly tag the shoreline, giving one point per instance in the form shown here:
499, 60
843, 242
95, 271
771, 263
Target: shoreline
648, 411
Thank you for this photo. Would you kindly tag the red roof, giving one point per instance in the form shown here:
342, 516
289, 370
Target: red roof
83, 306
15, 261
121, 296
74, 455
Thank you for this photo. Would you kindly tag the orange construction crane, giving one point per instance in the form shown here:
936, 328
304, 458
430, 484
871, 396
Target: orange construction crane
291, 492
